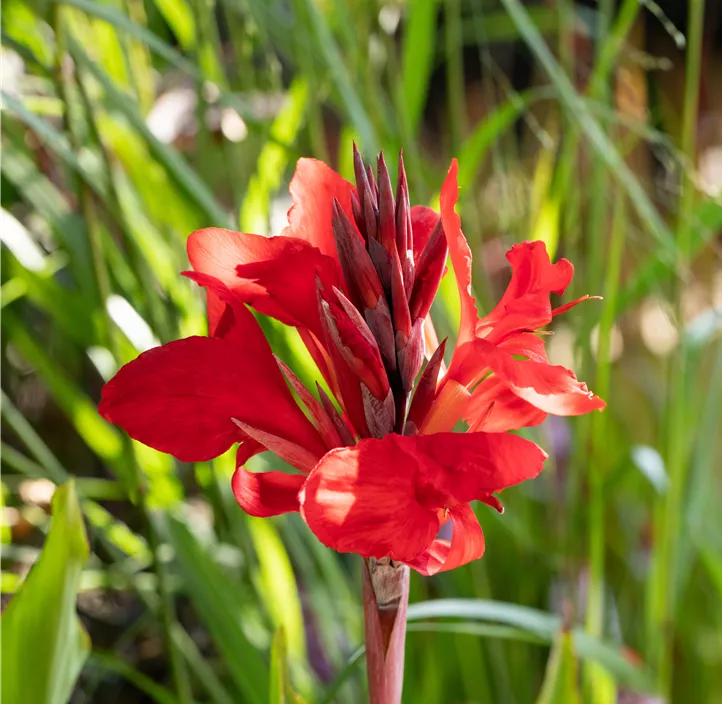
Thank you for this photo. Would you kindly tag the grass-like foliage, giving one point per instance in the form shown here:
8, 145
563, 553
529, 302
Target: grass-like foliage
128, 125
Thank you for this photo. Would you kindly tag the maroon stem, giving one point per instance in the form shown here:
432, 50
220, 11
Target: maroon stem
386, 598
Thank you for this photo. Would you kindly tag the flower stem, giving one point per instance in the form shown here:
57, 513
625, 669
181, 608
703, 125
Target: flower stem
386, 598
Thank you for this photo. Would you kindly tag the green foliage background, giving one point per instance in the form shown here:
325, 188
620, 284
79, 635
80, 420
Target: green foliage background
614, 554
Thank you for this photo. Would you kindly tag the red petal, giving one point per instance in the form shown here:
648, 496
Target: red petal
423, 222
552, 389
467, 544
530, 312
265, 494
247, 449
215, 308
495, 408
532, 271
363, 499
180, 398
459, 252
275, 275
467, 466
525, 344
313, 188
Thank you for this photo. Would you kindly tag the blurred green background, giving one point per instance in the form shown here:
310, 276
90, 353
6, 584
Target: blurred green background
596, 127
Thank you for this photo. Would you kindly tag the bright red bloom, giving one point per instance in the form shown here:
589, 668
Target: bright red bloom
356, 272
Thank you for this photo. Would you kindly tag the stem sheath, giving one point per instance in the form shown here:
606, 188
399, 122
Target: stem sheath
386, 599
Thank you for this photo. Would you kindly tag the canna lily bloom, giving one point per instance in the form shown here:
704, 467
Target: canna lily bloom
355, 272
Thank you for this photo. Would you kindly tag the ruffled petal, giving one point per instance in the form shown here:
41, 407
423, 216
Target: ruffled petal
552, 389
459, 252
181, 398
467, 544
265, 494
313, 188
533, 272
363, 499
495, 408
274, 275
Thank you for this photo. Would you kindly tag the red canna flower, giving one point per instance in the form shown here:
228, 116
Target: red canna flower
356, 272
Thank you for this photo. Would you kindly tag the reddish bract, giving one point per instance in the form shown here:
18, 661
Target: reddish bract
355, 272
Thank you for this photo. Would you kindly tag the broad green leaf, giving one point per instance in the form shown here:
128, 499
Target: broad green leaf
44, 643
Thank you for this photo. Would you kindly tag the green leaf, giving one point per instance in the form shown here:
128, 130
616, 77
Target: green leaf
277, 584
44, 643
560, 682
335, 64
541, 624
278, 685
273, 159
578, 111
418, 59
219, 604
196, 190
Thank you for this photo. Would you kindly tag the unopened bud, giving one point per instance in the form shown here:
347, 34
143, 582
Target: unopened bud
426, 388
428, 273
380, 413
379, 320
324, 424
347, 438
357, 347
410, 354
402, 316
359, 170
358, 269
387, 207
382, 263
372, 184
358, 215
297, 456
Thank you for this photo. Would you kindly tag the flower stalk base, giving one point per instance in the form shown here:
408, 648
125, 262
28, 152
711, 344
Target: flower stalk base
386, 599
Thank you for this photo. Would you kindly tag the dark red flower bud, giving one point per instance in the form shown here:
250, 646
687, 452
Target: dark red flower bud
379, 320
425, 391
372, 184
343, 430
357, 346
358, 215
359, 169
402, 316
371, 216
358, 269
382, 262
410, 354
404, 235
428, 273
325, 425
297, 456
380, 413
387, 207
